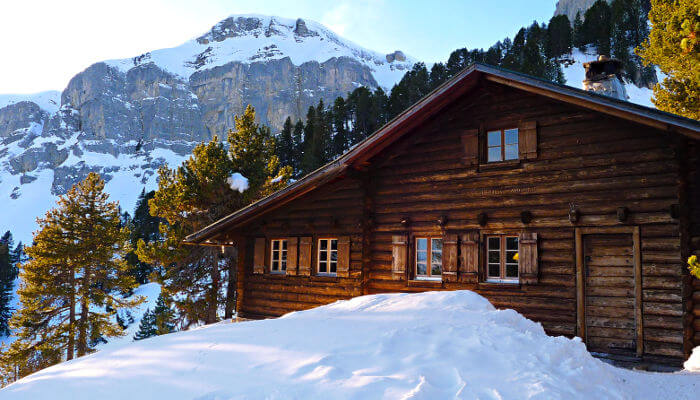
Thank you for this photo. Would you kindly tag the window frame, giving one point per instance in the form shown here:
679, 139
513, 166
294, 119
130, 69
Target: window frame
429, 258
329, 251
502, 145
282, 249
503, 260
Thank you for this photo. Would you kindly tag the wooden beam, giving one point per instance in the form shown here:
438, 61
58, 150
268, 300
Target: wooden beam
580, 287
638, 318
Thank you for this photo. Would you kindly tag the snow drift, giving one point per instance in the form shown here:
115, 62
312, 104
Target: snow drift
432, 345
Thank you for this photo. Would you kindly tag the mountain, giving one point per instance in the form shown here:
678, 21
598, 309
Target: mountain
571, 7
125, 118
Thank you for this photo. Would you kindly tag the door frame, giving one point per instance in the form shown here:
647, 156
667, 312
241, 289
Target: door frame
581, 279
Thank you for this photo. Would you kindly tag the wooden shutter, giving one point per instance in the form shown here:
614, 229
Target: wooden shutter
469, 260
343, 268
529, 269
527, 140
449, 258
259, 256
305, 256
470, 147
398, 256
292, 255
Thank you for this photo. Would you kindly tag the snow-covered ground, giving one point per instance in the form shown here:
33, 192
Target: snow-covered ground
433, 345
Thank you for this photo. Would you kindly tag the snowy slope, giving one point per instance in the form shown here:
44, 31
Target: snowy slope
273, 38
434, 345
48, 101
575, 74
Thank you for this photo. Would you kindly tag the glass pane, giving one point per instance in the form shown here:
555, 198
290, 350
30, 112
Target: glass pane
437, 244
284, 256
323, 244
422, 244
437, 258
494, 138
512, 243
334, 244
322, 266
436, 270
495, 270
334, 256
275, 266
333, 267
494, 154
494, 257
494, 243
511, 271
275, 244
284, 245
509, 257
275, 256
511, 136
422, 256
422, 268
284, 265
323, 256
512, 152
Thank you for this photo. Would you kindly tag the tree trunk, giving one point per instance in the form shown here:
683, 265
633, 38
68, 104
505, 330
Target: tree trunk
83, 327
231, 263
70, 351
214, 292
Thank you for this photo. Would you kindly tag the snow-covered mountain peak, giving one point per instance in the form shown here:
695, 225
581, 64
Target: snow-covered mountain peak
250, 38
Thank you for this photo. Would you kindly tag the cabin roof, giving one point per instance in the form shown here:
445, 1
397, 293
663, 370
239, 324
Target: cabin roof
431, 104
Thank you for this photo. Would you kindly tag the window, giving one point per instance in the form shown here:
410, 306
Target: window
428, 258
327, 256
502, 145
500, 258
278, 256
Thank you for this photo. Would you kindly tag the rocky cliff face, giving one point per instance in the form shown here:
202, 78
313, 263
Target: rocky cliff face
572, 7
125, 118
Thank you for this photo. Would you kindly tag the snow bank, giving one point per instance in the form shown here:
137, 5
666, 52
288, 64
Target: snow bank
433, 345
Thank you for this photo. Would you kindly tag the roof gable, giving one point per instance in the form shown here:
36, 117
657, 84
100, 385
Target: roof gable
359, 156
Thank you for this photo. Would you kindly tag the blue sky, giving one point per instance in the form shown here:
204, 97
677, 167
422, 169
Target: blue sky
48, 41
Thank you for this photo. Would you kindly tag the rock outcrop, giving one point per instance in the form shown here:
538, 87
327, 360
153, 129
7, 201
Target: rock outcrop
571, 7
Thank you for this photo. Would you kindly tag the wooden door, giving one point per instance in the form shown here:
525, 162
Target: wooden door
610, 274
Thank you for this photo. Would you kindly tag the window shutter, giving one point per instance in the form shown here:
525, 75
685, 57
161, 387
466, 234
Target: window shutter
527, 140
469, 262
527, 257
292, 255
305, 256
470, 147
449, 258
398, 257
259, 256
343, 268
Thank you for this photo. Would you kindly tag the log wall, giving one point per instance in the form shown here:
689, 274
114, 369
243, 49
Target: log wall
595, 163
333, 210
585, 160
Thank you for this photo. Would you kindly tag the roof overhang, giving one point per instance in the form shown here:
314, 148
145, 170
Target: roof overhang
358, 157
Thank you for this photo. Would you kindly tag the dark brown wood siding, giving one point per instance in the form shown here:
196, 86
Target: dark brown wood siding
594, 163
693, 213
334, 210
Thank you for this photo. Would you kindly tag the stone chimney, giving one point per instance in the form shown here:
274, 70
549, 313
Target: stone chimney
604, 77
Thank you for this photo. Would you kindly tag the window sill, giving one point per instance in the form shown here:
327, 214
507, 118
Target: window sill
423, 282
499, 285
503, 281
496, 165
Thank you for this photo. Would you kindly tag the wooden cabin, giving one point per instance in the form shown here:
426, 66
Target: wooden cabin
600, 199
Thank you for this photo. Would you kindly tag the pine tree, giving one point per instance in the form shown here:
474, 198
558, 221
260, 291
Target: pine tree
164, 316
298, 146
285, 144
559, 36
596, 26
339, 118
73, 274
674, 45
147, 326
8, 274
143, 226
579, 36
